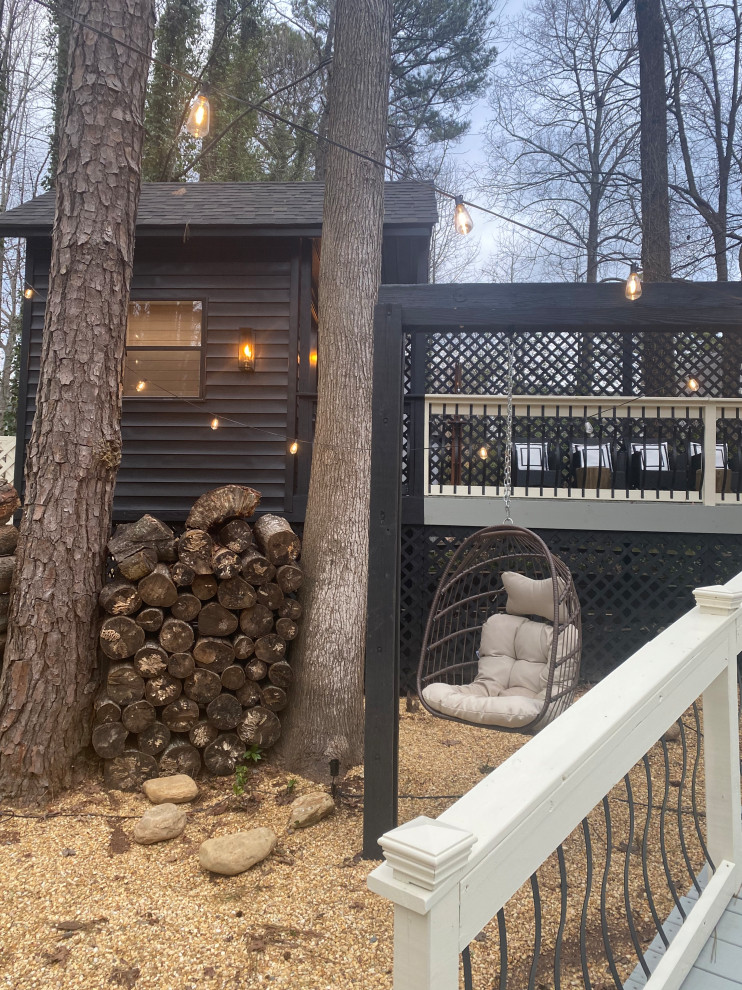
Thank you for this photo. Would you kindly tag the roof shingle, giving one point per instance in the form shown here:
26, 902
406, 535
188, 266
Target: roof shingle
234, 204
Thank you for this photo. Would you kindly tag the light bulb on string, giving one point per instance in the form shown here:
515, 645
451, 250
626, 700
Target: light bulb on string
294, 448
140, 386
693, 384
633, 285
483, 452
462, 220
589, 428
215, 423
29, 292
199, 116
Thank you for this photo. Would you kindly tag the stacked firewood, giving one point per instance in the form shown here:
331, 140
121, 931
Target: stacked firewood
9, 502
194, 637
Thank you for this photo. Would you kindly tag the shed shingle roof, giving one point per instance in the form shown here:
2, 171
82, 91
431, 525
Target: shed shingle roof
234, 204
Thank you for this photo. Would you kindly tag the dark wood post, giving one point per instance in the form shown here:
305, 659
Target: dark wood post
382, 623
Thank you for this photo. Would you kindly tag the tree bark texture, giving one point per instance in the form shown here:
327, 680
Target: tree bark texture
326, 717
653, 142
49, 677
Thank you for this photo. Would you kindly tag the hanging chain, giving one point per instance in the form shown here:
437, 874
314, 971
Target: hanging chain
509, 433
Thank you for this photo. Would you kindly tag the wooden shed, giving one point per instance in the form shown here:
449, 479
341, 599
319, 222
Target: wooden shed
218, 267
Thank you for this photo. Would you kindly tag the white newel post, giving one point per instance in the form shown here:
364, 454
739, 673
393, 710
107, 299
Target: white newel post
424, 862
721, 735
709, 454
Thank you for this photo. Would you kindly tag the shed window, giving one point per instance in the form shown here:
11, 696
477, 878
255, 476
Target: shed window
163, 348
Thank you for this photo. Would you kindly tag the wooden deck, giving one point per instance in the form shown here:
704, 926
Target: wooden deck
719, 965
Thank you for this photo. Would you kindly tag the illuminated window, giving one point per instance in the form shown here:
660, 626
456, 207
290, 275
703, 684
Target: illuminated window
163, 348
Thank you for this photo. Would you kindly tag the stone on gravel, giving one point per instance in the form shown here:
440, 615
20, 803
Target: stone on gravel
672, 734
310, 809
178, 789
164, 821
233, 854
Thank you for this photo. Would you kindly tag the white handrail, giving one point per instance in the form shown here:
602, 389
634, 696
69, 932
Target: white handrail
448, 877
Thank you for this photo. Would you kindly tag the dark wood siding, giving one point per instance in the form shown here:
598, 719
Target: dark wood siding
170, 453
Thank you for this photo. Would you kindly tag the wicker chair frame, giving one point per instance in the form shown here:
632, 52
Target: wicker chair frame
471, 590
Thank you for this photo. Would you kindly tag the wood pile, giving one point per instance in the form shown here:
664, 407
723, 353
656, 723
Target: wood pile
9, 502
195, 639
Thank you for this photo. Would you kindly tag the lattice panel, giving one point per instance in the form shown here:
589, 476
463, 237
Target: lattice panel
563, 363
631, 585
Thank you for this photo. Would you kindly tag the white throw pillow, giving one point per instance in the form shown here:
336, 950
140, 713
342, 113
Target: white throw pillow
527, 596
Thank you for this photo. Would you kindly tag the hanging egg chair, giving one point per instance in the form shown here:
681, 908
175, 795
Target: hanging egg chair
503, 640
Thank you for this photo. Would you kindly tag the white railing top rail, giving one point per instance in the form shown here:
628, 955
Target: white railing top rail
624, 406
492, 839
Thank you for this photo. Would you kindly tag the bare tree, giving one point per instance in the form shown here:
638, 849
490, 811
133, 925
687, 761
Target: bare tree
327, 720
25, 76
75, 447
704, 43
562, 142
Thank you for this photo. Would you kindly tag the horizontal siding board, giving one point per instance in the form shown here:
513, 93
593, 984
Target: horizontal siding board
170, 453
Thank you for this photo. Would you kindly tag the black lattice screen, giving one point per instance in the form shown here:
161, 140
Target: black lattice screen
563, 363
631, 585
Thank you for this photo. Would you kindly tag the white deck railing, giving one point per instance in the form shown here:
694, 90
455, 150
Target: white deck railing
571, 412
448, 877
7, 458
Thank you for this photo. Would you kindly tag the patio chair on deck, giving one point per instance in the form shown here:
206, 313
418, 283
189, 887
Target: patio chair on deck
653, 467
533, 464
593, 465
727, 468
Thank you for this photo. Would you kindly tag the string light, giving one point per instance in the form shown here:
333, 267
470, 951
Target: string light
29, 292
313, 358
693, 384
461, 217
301, 128
633, 285
140, 386
199, 116
215, 423
293, 449
483, 452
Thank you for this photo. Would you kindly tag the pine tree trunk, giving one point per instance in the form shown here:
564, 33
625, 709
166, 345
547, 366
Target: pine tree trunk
326, 717
46, 691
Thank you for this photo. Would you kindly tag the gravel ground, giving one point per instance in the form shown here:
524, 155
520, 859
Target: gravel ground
81, 906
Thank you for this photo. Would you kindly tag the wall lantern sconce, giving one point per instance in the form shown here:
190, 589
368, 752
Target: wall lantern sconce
246, 358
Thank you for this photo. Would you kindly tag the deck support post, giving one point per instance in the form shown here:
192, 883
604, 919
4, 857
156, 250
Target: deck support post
382, 621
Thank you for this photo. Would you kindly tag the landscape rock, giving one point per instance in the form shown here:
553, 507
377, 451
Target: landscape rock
233, 854
672, 734
310, 809
178, 789
164, 821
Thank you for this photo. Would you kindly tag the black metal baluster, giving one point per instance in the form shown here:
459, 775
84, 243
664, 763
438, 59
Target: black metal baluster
663, 846
537, 931
562, 918
694, 780
645, 863
626, 873
681, 830
466, 965
585, 903
603, 897
503, 936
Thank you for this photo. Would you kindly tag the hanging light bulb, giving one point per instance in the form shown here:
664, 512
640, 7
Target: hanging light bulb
693, 385
483, 452
589, 428
294, 448
313, 358
633, 285
199, 116
215, 423
140, 386
462, 220
28, 292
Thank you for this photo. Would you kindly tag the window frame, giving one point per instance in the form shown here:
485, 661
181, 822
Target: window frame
164, 296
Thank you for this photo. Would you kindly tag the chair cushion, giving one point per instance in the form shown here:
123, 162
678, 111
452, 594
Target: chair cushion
513, 671
527, 596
